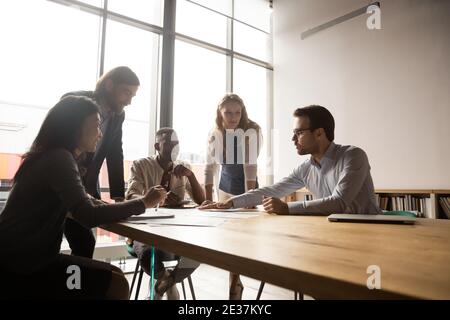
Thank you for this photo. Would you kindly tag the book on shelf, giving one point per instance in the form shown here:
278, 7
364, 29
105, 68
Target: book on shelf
417, 205
445, 205
424, 203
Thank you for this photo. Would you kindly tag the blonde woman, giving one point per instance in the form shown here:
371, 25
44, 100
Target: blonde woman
234, 146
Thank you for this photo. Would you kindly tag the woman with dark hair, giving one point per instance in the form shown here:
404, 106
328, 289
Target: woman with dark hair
234, 146
47, 189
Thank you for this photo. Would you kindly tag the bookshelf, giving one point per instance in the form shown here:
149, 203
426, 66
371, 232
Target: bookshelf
440, 213
427, 202
421, 201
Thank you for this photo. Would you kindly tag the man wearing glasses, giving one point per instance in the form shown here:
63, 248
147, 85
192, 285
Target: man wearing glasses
338, 176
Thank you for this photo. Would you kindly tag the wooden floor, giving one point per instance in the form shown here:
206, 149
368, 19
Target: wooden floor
211, 283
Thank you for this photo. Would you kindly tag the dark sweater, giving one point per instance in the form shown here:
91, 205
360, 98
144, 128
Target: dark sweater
31, 224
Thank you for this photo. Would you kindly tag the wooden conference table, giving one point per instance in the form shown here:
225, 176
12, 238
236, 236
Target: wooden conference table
316, 257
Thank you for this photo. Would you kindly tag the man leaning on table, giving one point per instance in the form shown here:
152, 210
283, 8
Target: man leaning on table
338, 176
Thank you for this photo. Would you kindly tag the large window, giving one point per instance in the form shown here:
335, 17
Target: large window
200, 81
149, 11
251, 82
51, 47
200, 23
139, 50
251, 42
232, 55
39, 62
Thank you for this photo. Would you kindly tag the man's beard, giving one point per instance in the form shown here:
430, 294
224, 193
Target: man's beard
303, 151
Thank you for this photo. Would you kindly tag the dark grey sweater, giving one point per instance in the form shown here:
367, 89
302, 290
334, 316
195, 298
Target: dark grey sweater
31, 224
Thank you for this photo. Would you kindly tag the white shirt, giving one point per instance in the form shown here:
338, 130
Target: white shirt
147, 173
341, 183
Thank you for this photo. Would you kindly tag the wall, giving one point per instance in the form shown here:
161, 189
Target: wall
388, 89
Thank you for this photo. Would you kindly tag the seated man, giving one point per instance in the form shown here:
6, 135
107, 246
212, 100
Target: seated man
176, 177
338, 176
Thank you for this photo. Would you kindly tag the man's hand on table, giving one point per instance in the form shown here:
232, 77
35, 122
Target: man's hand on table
207, 204
275, 205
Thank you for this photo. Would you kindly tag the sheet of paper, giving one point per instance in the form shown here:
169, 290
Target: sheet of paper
192, 217
239, 210
183, 221
151, 214
227, 215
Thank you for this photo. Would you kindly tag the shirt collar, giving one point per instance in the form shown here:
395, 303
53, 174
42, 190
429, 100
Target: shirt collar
330, 151
327, 157
160, 169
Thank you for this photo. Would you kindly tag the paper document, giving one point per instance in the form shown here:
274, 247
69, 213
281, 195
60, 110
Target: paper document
183, 221
152, 214
228, 215
239, 210
191, 217
238, 213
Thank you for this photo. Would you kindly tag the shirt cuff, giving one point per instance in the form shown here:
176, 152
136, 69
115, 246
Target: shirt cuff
296, 207
239, 202
246, 200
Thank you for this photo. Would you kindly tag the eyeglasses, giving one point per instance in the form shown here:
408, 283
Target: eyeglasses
300, 132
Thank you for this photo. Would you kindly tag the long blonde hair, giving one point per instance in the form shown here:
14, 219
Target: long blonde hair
244, 123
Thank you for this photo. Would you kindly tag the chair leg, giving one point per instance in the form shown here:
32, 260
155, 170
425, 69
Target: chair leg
141, 273
184, 290
191, 286
136, 270
261, 287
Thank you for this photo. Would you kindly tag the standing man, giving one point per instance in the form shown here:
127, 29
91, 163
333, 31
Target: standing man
113, 92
